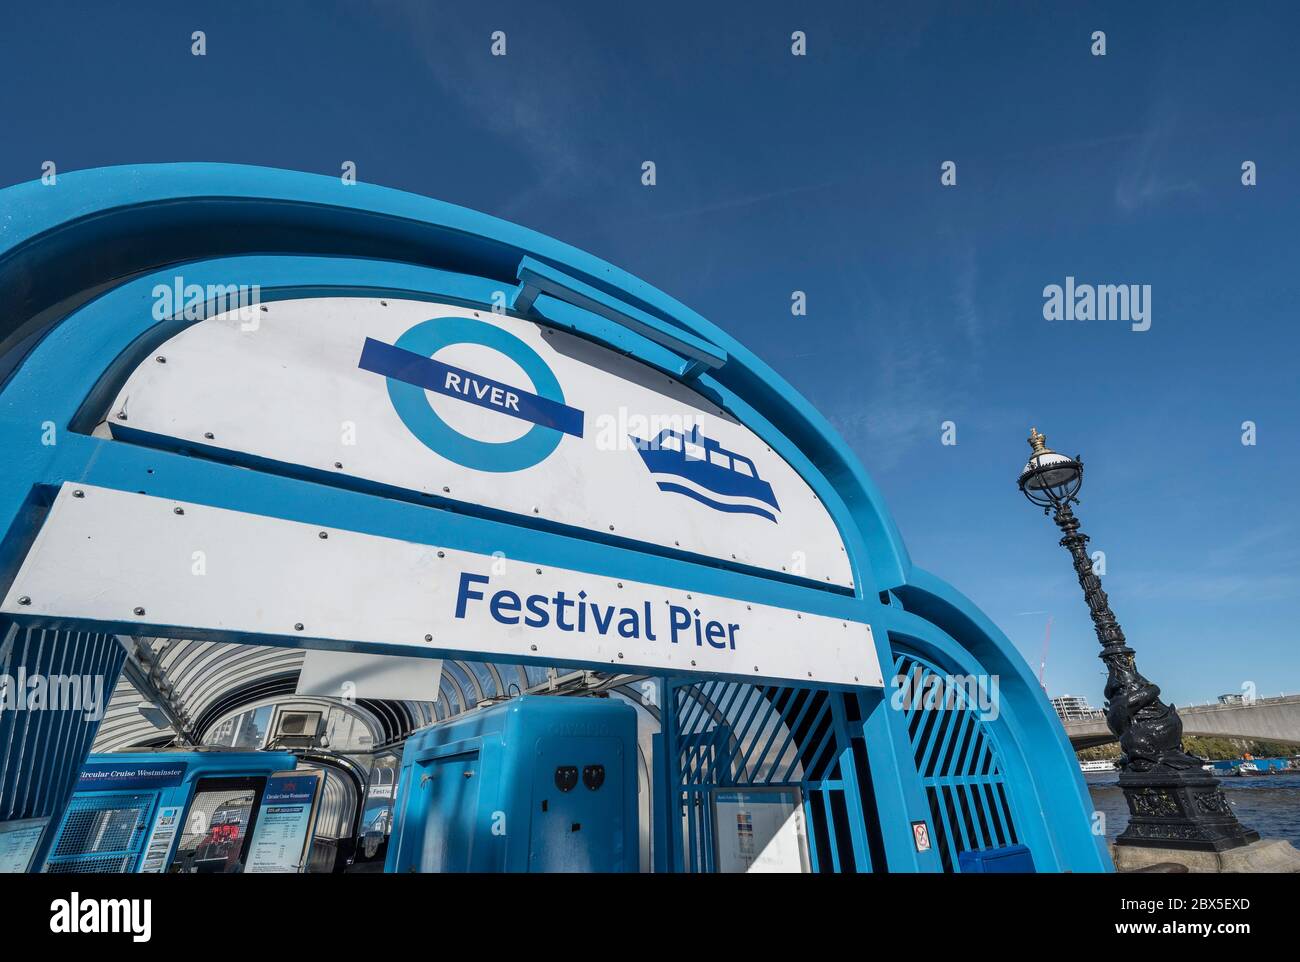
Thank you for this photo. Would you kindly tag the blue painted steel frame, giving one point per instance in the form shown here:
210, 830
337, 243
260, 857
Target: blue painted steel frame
63, 737
71, 365
537, 278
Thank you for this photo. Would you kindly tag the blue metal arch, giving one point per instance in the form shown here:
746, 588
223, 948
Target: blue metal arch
123, 220
71, 350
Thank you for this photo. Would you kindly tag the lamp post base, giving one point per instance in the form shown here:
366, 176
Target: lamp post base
1272, 855
1180, 810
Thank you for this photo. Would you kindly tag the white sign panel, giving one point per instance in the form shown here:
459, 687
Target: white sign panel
342, 674
477, 407
112, 557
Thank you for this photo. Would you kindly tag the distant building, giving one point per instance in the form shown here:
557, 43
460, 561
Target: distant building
1073, 708
1232, 699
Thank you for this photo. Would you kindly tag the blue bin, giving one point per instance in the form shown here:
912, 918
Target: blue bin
535, 784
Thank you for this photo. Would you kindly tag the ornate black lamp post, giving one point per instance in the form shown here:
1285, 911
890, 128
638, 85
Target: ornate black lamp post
1172, 801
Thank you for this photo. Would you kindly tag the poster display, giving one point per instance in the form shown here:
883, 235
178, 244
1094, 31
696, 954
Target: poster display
284, 823
760, 830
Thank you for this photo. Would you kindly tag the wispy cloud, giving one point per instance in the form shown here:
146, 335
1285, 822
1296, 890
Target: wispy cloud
748, 200
1261, 564
1145, 177
921, 344
966, 295
543, 120
1205, 587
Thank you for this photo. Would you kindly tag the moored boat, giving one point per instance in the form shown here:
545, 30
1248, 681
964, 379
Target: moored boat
1097, 765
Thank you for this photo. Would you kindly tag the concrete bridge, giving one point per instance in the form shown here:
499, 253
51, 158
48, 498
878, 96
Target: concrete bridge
1267, 719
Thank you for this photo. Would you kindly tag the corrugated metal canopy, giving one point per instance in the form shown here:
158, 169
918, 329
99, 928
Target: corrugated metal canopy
203, 682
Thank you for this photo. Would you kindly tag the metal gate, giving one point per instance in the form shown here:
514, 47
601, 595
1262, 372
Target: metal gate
957, 760
41, 751
728, 735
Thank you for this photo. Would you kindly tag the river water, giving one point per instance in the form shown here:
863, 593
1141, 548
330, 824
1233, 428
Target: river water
1270, 804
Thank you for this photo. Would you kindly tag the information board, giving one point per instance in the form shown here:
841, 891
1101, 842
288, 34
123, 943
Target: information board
760, 831
18, 842
284, 823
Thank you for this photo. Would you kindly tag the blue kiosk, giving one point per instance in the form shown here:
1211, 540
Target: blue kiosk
278, 409
154, 812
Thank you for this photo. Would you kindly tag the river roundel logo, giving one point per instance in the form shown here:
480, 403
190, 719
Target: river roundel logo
410, 370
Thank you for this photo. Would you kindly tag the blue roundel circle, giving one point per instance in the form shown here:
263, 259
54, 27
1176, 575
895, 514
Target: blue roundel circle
413, 407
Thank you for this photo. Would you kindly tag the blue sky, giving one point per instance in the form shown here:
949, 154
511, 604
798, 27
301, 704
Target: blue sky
821, 173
